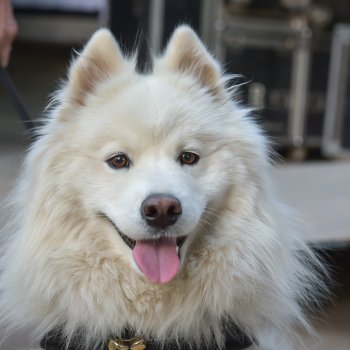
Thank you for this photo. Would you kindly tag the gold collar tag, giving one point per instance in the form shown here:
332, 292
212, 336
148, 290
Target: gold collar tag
127, 344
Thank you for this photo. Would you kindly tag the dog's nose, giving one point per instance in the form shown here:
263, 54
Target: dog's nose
161, 210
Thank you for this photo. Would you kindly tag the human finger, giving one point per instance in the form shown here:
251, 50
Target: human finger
8, 32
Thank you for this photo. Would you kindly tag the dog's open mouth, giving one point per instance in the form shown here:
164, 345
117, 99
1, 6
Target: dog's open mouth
158, 259
131, 242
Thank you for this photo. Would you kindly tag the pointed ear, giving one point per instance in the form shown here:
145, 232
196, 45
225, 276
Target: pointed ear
100, 58
186, 53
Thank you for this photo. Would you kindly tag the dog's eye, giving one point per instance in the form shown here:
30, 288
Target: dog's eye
188, 158
119, 161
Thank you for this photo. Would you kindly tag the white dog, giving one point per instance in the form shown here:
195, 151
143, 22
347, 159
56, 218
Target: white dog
146, 205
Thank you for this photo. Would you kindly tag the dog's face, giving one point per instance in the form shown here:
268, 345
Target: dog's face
150, 151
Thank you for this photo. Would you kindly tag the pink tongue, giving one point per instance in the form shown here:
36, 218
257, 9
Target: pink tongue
157, 259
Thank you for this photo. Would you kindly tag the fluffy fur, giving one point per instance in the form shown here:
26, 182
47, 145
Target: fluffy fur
65, 265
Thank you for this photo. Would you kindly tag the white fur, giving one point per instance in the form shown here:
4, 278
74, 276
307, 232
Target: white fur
65, 265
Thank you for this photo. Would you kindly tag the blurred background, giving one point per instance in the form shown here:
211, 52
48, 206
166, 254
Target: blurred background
293, 62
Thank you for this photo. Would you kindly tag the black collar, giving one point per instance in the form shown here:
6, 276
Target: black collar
235, 340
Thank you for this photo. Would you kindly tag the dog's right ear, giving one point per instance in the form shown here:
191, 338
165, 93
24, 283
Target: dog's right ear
100, 59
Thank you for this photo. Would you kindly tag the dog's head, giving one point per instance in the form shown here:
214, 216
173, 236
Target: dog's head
153, 154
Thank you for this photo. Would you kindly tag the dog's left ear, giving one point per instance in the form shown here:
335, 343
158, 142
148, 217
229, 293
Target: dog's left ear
100, 59
186, 53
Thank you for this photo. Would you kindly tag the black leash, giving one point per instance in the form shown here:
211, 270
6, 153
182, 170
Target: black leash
17, 102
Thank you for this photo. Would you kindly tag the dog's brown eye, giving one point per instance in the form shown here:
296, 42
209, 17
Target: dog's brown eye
188, 158
119, 161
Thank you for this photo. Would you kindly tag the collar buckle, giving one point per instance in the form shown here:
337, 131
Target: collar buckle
135, 343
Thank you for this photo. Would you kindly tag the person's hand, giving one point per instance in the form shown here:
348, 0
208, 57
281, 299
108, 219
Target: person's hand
8, 31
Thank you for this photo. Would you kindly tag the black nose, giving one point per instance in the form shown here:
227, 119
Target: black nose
161, 210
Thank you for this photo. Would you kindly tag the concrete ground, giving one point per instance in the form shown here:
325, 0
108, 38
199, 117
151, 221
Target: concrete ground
320, 191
